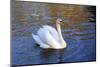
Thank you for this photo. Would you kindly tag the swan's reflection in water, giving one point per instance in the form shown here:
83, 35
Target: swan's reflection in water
47, 54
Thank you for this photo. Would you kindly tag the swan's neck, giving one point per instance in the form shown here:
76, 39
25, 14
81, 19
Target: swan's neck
59, 32
62, 42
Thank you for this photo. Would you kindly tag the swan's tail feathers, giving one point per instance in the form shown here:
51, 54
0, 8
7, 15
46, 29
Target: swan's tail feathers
36, 38
38, 41
33, 35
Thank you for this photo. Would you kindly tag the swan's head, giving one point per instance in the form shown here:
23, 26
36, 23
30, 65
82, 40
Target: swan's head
59, 21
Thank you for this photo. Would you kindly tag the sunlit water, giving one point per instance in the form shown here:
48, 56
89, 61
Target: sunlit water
79, 36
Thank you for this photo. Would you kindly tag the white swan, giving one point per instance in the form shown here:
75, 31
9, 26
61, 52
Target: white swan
49, 37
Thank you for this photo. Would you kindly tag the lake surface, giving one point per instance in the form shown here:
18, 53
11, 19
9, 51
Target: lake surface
78, 29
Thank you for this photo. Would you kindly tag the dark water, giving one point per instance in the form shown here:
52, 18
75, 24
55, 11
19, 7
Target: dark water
79, 34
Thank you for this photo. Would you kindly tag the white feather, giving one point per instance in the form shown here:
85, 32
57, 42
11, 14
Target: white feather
47, 38
42, 34
37, 39
52, 42
53, 32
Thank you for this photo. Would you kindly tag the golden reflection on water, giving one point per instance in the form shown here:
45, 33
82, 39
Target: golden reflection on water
31, 15
75, 13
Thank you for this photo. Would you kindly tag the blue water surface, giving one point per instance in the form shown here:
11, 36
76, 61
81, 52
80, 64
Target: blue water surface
81, 46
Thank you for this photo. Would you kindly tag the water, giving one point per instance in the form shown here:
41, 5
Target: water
78, 32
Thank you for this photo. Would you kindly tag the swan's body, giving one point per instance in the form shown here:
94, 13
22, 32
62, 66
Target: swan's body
48, 37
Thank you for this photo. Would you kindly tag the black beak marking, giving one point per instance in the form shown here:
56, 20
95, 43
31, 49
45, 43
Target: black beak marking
61, 21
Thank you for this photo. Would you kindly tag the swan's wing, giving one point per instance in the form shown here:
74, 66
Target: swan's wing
37, 39
47, 38
41, 33
53, 31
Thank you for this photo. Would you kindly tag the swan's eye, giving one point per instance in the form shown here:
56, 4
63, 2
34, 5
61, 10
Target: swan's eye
61, 21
